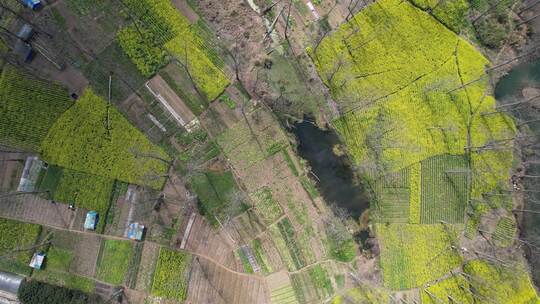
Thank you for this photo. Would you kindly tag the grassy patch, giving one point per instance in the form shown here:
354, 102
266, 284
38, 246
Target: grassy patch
321, 281
50, 179
87, 191
412, 255
215, 191
16, 237
171, 275
67, 280
125, 76
184, 89
79, 140
266, 205
28, 108
114, 261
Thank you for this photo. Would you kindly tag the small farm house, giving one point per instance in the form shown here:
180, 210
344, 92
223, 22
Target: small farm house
33, 4
135, 231
91, 220
37, 260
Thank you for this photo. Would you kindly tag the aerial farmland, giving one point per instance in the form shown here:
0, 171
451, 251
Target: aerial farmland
273, 152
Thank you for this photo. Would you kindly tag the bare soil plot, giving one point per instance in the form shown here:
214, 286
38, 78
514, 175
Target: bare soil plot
186, 10
11, 167
211, 283
243, 227
207, 241
34, 209
136, 110
147, 266
168, 98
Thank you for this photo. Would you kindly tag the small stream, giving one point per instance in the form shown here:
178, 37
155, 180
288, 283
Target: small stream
508, 88
336, 181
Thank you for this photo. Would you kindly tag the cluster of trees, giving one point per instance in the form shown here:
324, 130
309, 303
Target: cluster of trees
34, 292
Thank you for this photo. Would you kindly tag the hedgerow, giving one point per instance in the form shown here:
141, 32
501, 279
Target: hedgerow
28, 108
171, 275
79, 140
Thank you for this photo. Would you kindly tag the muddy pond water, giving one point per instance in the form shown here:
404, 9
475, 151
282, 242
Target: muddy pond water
334, 175
508, 88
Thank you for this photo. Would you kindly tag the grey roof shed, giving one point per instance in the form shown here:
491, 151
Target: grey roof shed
10, 282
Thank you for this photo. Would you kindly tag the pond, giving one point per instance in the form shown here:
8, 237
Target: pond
511, 86
334, 175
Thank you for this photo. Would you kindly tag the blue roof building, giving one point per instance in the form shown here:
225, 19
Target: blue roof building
135, 231
91, 220
37, 260
33, 4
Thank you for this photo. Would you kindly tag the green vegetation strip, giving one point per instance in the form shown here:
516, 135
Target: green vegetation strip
171, 275
114, 261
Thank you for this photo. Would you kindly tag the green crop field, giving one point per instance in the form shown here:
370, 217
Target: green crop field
412, 255
216, 191
260, 256
15, 238
86, 191
114, 261
159, 28
56, 271
28, 108
455, 289
266, 205
498, 284
452, 13
284, 237
505, 232
392, 193
171, 275
79, 140
444, 189
283, 295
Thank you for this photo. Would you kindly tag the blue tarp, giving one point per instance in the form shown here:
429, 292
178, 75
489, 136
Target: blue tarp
91, 220
135, 231
33, 4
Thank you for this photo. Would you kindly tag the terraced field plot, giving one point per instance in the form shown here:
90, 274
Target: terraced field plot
29, 106
412, 255
444, 189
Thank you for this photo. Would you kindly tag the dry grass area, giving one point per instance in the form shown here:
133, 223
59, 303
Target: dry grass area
211, 283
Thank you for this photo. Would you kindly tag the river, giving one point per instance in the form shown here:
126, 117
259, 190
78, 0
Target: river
336, 181
509, 88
